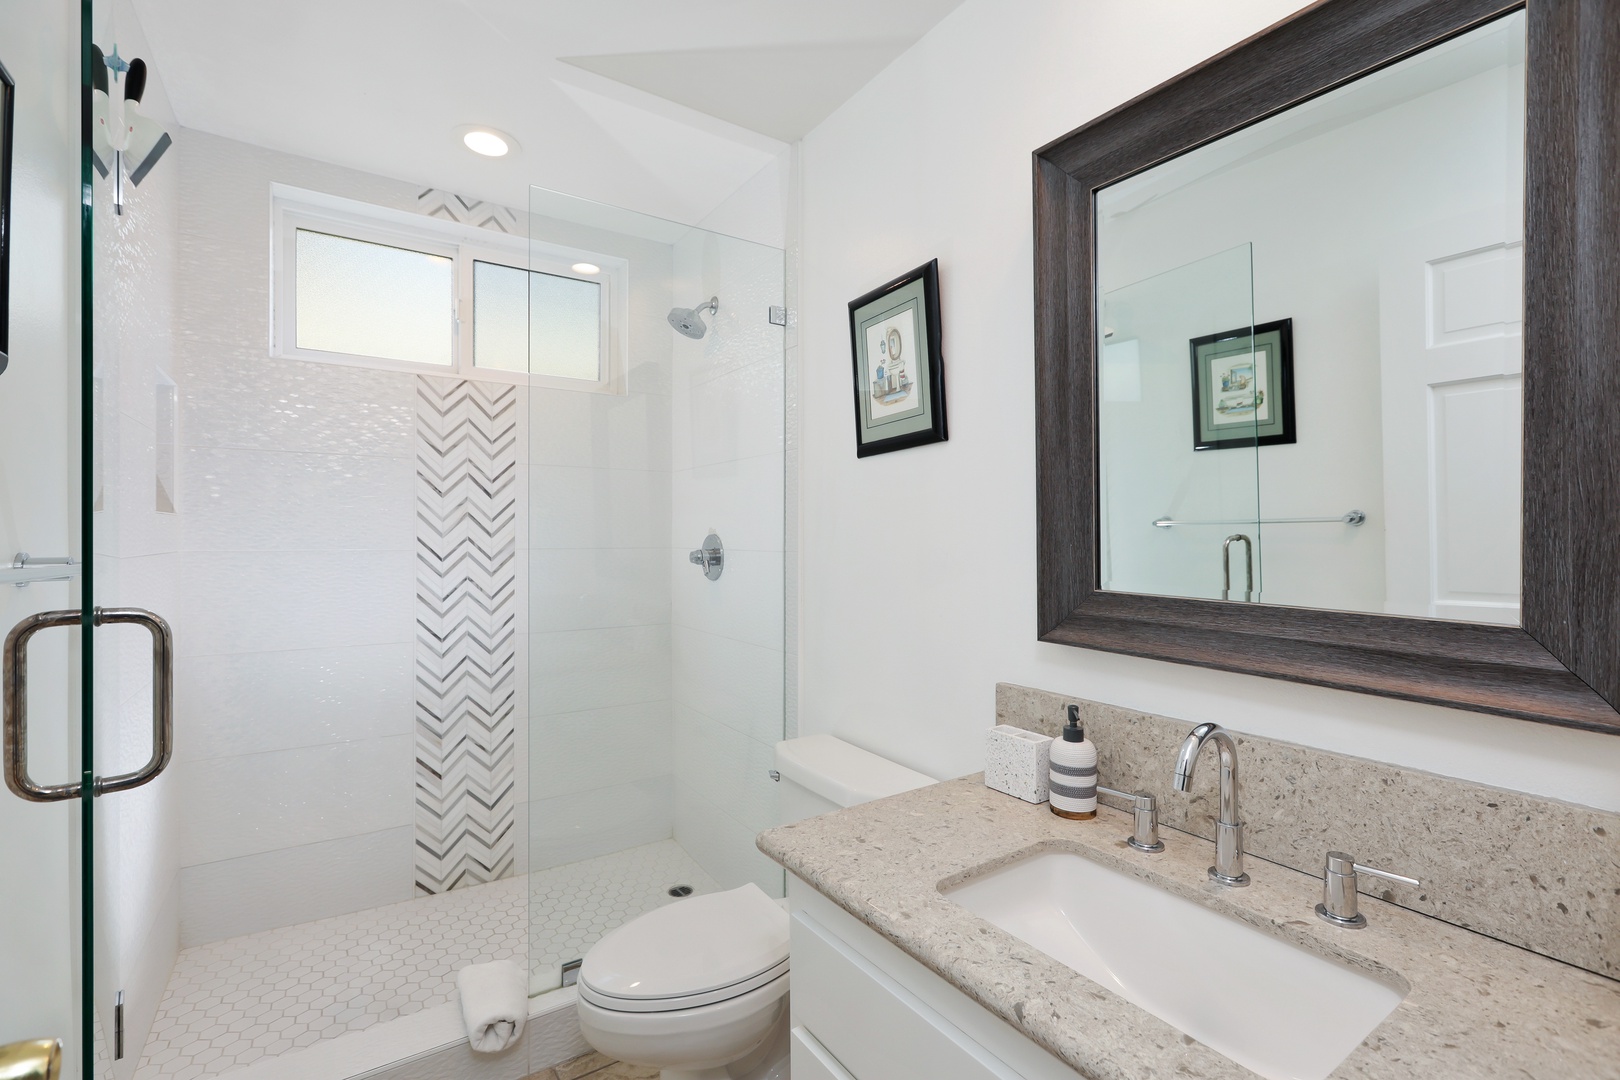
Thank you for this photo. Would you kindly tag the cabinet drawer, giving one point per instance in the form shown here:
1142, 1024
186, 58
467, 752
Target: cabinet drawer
872, 1026
811, 1061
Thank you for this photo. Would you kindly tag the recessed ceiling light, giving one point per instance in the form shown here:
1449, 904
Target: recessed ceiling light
586, 268
488, 141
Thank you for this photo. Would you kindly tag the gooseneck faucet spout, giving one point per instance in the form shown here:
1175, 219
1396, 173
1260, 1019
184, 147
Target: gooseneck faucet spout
1228, 868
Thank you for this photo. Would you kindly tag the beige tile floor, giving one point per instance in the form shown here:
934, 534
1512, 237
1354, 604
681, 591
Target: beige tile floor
596, 1067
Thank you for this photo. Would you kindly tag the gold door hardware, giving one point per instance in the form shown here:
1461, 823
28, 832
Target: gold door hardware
34, 1059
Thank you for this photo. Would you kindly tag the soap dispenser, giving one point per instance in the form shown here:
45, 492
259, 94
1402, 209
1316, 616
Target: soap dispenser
1073, 788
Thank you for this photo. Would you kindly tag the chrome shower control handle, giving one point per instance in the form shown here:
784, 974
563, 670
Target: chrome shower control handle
1340, 904
1144, 818
711, 556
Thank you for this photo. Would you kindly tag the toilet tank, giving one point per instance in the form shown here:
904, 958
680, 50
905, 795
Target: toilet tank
820, 773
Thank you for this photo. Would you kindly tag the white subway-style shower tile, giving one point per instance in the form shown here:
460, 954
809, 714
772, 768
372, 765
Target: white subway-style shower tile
260, 499
598, 748
590, 588
568, 828
253, 803
733, 415
733, 682
598, 508
252, 601
742, 500
294, 885
745, 603
244, 703
604, 431
573, 670
722, 846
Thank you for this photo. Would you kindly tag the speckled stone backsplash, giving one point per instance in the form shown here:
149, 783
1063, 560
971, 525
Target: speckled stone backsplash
1531, 871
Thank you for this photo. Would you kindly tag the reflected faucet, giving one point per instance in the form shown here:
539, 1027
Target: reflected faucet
1228, 868
1248, 567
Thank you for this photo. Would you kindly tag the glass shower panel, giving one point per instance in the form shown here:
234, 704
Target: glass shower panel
655, 691
1182, 390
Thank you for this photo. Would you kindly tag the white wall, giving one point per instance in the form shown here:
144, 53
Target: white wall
932, 158
39, 491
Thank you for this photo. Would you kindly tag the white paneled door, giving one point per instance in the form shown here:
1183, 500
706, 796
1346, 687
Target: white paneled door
1453, 378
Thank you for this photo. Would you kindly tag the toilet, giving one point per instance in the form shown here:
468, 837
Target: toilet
699, 988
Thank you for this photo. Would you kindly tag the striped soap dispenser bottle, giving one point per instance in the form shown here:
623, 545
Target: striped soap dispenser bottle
1073, 785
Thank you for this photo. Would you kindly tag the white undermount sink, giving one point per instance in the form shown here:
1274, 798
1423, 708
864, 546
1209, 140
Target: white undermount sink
1269, 1005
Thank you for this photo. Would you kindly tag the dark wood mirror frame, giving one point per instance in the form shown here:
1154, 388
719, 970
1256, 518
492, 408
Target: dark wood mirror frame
1563, 665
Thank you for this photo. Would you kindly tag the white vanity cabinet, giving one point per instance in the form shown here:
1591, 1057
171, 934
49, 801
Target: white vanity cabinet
864, 1010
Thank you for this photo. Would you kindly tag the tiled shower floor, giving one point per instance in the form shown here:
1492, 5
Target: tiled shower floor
232, 1002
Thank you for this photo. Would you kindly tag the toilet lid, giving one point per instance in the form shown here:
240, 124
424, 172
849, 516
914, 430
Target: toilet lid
691, 947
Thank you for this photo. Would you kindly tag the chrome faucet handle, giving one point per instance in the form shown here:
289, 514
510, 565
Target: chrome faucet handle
1340, 901
1144, 818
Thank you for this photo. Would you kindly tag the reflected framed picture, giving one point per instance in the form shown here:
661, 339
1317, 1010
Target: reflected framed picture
8, 107
1243, 387
899, 369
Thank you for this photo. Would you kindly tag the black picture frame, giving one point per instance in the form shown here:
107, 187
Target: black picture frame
1280, 376
8, 115
881, 317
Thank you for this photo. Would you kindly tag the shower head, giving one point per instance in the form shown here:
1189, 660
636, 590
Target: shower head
689, 321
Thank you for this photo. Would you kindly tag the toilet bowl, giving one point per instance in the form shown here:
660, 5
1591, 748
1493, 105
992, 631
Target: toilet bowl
699, 988
692, 988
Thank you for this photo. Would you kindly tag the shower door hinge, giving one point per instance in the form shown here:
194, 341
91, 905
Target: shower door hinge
118, 1027
778, 316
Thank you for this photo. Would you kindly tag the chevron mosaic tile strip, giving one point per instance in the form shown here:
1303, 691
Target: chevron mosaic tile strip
435, 202
466, 625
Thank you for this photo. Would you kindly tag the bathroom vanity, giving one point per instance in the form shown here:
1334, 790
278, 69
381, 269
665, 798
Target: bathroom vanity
895, 977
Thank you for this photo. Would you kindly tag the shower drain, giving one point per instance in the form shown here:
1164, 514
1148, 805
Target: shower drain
680, 890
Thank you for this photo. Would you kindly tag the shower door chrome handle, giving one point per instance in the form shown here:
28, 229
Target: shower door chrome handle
15, 676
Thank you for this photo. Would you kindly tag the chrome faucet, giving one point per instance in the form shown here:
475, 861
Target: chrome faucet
1228, 868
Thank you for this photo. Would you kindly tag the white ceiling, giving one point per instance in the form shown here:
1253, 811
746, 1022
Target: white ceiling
665, 107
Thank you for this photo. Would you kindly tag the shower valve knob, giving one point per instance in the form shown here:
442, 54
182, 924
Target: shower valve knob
711, 556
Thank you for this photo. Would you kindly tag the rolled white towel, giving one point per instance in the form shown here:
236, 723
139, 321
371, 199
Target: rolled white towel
494, 1003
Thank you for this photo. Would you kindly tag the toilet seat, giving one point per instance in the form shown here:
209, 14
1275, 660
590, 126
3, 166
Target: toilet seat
695, 952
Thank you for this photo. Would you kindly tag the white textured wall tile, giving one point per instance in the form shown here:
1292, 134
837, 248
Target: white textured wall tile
243, 399
598, 748
245, 703
295, 884
569, 828
745, 604
269, 600
259, 802
574, 670
591, 588
279, 500
740, 499
598, 508
735, 683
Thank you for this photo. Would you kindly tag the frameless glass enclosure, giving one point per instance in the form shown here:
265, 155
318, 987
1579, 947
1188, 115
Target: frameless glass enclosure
653, 567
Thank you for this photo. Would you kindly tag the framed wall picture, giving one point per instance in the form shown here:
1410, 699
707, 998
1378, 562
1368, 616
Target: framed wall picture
1243, 387
899, 369
8, 108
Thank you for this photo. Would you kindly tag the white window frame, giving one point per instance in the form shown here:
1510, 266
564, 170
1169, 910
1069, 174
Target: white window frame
292, 209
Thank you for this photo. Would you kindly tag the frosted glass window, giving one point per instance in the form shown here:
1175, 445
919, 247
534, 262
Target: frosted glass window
559, 320
370, 299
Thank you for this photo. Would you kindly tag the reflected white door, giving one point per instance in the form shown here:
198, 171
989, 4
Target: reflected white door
1453, 376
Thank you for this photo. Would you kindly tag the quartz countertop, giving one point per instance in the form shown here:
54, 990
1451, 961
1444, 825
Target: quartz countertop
1475, 1007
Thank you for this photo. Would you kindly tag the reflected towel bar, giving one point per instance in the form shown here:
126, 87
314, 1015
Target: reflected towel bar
1354, 517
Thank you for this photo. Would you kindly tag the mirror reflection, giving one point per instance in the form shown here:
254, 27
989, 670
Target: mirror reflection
1310, 359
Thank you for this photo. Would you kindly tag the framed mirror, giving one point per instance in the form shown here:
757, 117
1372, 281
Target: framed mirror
1328, 358
8, 108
